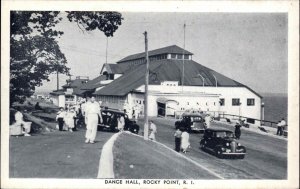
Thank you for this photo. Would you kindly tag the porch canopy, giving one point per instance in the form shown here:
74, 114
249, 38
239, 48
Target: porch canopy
164, 100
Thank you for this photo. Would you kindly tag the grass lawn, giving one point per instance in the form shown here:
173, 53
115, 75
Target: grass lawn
135, 158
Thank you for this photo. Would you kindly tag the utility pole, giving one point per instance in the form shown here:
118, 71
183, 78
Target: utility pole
182, 80
146, 126
106, 50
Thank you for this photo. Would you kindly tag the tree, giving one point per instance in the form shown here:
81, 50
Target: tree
34, 51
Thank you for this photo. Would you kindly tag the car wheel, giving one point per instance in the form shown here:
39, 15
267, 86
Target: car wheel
219, 153
202, 145
241, 156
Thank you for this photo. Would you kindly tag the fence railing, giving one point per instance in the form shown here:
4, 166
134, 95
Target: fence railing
222, 114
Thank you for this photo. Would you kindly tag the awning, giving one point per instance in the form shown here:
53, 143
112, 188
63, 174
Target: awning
164, 100
57, 93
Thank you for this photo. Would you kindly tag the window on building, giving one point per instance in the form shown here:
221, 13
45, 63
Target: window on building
222, 102
235, 102
186, 56
179, 56
250, 102
173, 56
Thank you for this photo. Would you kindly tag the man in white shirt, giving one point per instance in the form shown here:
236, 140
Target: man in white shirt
92, 113
280, 127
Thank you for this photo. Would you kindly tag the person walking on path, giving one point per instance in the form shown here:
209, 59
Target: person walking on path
237, 130
92, 112
121, 123
153, 131
280, 127
177, 136
185, 141
60, 118
207, 121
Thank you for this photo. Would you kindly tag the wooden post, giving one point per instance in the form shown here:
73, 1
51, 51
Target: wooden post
146, 126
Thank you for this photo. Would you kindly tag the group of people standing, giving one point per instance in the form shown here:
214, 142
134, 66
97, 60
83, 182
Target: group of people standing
66, 119
182, 140
88, 112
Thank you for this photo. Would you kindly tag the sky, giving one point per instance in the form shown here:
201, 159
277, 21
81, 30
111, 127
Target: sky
250, 48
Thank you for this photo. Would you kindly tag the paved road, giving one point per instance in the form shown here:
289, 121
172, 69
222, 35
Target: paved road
55, 155
266, 156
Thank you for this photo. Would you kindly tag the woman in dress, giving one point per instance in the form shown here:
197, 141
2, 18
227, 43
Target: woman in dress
121, 123
153, 130
70, 115
185, 141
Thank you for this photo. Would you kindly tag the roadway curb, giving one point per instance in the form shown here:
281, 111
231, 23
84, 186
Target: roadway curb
180, 155
106, 162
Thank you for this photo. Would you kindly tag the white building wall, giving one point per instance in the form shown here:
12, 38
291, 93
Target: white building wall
61, 101
207, 103
225, 92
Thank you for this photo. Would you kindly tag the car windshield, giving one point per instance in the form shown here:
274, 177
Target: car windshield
196, 119
224, 134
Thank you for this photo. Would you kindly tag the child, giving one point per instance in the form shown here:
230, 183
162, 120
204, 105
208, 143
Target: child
60, 118
70, 115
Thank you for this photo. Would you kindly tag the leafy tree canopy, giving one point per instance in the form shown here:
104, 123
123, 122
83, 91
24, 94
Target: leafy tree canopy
34, 51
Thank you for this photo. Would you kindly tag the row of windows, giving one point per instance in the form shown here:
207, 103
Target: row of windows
158, 57
236, 102
140, 101
110, 99
179, 56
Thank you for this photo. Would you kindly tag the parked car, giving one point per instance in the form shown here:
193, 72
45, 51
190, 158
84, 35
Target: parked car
191, 122
222, 143
110, 121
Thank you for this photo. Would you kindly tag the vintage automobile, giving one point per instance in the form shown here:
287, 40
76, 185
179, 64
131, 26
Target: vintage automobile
222, 143
110, 121
191, 122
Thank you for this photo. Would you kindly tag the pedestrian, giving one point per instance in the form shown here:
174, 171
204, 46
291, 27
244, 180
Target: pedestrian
60, 118
121, 123
237, 130
281, 124
69, 120
177, 136
136, 113
92, 111
185, 141
153, 131
37, 106
207, 121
